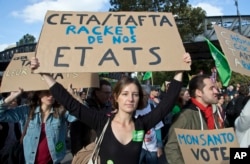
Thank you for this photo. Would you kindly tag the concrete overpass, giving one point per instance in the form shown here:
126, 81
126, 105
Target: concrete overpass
198, 48
6, 55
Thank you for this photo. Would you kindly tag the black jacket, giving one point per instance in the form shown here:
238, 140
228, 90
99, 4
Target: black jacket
81, 134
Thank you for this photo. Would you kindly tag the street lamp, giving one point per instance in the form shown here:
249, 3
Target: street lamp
238, 14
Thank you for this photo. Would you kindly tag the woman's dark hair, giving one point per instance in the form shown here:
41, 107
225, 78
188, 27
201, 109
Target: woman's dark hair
180, 98
35, 101
124, 81
197, 82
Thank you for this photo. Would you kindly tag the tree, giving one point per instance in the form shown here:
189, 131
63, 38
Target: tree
189, 20
136, 5
26, 39
177, 7
239, 78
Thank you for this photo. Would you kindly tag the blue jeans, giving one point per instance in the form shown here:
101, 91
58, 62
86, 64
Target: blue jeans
148, 157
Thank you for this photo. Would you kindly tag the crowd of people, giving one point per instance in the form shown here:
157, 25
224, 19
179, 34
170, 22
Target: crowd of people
142, 117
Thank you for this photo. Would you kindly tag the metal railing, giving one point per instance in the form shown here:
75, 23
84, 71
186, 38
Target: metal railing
6, 55
238, 24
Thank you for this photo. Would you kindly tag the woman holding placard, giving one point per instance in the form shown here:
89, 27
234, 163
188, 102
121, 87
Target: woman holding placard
43, 123
122, 141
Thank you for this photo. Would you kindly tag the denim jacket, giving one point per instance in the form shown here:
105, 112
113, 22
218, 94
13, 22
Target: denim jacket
55, 129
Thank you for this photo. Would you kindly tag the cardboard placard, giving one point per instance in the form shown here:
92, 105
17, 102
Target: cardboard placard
236, 48
109, 42
206, 146
18, 74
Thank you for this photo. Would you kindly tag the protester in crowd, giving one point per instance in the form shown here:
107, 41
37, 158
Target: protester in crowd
219, 118
230, 91
226, 101
154, 95
80, 133
13, 131
44, 141
235, 106
219, 108
152, 145
242, 126
166, 85
237, 87
164, 89
78, 93
27, 96
220, 105
83, 94
4, 129
122, 141
219, 87
184, 97
198, 114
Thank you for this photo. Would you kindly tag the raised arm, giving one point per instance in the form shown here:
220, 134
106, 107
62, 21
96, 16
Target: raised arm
13, 95
169, 99
65, 98
186, 59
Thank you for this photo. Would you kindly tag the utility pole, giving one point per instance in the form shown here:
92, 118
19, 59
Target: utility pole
238, 14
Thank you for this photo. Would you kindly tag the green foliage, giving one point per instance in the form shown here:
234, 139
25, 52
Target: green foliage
189, 20
177, 7
26, 39
202, 65
239, 78
197, 15
160, 77
136, 5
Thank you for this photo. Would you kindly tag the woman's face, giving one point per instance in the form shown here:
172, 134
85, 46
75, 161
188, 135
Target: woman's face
221, 99
128, 98
186, 96
46, 98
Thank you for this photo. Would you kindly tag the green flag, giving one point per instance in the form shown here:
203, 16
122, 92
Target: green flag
147, 75
221, 64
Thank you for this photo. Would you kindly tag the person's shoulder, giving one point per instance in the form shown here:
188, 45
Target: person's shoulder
183, 115
187, 113
189, 108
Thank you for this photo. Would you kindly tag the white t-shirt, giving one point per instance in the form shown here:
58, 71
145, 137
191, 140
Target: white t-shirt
242, 126
150, 140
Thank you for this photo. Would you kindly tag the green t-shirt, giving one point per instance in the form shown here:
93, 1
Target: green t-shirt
176, 110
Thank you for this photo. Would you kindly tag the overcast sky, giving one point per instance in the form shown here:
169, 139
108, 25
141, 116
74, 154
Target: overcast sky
19, 17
